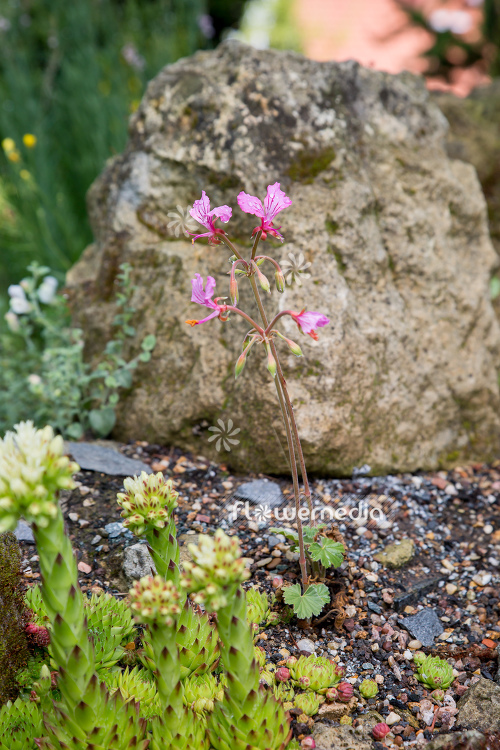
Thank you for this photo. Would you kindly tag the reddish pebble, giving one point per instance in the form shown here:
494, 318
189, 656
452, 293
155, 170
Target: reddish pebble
202, 519
488, 643
84, 567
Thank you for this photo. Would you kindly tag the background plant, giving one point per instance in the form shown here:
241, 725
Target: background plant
43, 373
70, 75
451, 46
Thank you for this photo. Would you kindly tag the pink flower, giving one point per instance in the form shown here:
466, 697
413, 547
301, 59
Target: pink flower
204, 297
275, 201
309, 321
202, 213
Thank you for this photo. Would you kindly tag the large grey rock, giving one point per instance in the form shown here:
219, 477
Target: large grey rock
346, 737
479, 708
260, 492
95, 457
396, 232
470, 740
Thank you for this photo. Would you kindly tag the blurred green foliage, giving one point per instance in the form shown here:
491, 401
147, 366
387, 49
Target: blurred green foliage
43, 375
71, 72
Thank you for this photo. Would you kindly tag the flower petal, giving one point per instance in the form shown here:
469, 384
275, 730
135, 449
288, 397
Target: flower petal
198, 294
251, 205
223, 213
276, 200
201, 211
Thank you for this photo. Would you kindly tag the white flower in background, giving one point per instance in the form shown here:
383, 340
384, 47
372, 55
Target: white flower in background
47, 290
34, 379
18, 302
12, 321
182, 222
206, 26
132, 57
456, 21
295, 269
224, 435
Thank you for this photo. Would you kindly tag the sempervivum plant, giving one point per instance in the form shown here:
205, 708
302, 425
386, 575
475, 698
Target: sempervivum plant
249, 717
308, 703
135, 684
257, 606
147, 509
201, 692
197, 640
109, 622
435, 673
368, 688
315, 673
156, 602
20, 724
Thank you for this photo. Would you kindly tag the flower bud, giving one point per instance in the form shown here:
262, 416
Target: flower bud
291, 661
304, 682
280, 280
332, 695
263, 281
282, 674
240, 363
345, 691
308, 743
233, 287
379, 731
271, 362
277, 582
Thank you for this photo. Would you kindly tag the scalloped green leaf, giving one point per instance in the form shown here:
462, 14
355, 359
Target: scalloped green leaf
309, 603
329, 553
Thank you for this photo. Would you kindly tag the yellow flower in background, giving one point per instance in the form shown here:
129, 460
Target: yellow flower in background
29, 140
25, 174
8, 145
14, 156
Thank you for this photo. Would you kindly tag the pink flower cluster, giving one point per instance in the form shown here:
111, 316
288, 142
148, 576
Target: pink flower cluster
275, 201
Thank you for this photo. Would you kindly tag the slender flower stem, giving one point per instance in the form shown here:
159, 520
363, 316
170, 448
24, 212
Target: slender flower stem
247, 317
286, 409
289, 438
276, 318
303, 471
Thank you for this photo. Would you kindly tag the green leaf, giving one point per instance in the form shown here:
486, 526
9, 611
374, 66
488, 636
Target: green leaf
74, 431
102, 421
149, 343
329, 553
123, 378
113, 399
287, 533
129, 330
110, 382
309, 603
145, 356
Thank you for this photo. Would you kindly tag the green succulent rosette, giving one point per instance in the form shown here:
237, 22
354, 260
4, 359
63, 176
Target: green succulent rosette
314, 673
435, 673
20, 724
308, 703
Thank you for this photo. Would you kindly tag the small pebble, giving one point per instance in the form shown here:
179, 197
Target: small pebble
414, 645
